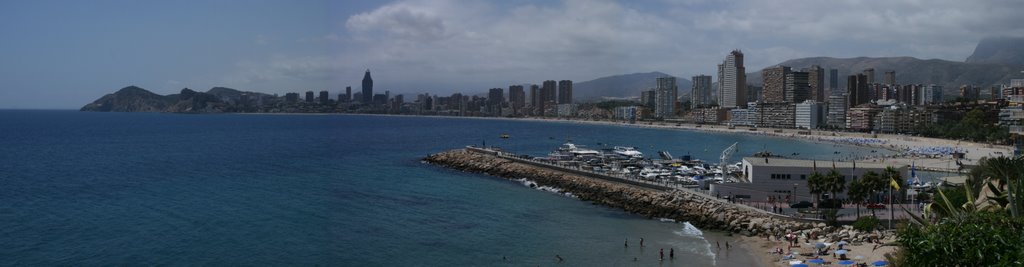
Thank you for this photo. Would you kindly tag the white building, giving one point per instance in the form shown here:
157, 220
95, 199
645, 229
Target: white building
784, 178
567, 110
932, 95
629, 113
809, 114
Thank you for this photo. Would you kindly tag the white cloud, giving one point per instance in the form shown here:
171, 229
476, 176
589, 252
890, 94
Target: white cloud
453, 45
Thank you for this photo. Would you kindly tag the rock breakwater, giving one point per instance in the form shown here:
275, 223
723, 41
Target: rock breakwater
700, 210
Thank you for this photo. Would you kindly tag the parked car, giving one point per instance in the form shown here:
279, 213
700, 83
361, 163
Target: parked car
801, 205
876, 206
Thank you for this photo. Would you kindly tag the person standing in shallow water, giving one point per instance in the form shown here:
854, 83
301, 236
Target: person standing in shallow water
641, 242
672, 253
661, 254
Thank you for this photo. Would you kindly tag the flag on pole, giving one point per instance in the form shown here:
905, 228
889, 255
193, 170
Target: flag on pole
894, 184
854, 165
815, 167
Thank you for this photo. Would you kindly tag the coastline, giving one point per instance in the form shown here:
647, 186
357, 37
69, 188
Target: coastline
895, 143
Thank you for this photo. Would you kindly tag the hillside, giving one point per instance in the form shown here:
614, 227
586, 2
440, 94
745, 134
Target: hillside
130, 99
622, 86
909, 70
135, 99
999, 50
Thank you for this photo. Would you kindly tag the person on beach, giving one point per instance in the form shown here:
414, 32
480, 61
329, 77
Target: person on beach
661, 254
726, 244
719, 244
626, 244
672, 253
641, 242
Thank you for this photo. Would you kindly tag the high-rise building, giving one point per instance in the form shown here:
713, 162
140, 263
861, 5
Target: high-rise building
833, 81
870, 73
890, 77
667, 92
565, 92
700, 95
291, 97
367, 88
808, 114
324, 97
348, 93
309, 97
516, 98
797, 88
836, 118
534, 96
775, 84
648, 98
754, 94
732, 81
816, 81
858, 88
495, 98
932, 94
548, 97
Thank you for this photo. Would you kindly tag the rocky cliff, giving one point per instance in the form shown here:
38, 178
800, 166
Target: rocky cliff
135, 99
699, 210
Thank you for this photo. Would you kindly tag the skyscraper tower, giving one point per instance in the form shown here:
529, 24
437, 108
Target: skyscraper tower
666, 94
367, 88
816, 81
700, 95
732, 81
833, 81
565, 92
870, 73
775, 83
890, 77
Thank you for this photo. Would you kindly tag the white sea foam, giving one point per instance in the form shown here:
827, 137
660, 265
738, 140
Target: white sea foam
534, 185
703, 246
666, 220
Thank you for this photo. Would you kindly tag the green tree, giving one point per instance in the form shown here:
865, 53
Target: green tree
816, 185
834, 182
858, 193
872, 182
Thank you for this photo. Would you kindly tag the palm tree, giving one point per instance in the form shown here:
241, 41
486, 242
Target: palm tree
816, 185
835, 182
871, 182
1004, 172
858, 192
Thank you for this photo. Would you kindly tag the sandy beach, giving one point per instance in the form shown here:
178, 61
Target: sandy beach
857, 252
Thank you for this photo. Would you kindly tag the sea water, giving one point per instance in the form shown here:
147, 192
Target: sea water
82, 188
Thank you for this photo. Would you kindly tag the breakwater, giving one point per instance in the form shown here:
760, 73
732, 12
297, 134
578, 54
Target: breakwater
702, 211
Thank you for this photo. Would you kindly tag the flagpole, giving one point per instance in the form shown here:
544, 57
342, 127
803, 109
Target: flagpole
891, 215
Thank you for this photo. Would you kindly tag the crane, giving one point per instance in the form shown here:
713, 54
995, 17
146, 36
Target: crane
724, 159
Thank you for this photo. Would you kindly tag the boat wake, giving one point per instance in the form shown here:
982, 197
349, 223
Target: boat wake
534, 185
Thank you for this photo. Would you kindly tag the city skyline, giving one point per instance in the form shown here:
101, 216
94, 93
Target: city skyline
442, 46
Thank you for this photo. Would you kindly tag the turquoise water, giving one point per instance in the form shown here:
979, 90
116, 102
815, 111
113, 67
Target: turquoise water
80, 188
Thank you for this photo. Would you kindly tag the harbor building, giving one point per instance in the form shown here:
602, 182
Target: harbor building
782, 178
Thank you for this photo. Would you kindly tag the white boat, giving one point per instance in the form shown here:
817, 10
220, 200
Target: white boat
577, 150
629, 152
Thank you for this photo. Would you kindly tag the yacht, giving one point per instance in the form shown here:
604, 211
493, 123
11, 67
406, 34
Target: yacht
629, 152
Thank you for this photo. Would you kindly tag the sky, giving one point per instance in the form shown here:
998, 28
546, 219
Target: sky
65, 54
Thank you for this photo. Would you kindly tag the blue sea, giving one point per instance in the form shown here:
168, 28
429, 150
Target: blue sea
82, 188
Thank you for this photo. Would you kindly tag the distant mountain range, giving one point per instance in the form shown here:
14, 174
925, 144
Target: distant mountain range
622, 86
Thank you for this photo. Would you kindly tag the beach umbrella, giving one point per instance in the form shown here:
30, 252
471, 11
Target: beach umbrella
816, 261
841, 252
880, 263
858, 257
842, 243
819, 245
799, 265
795, 262
847, 262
